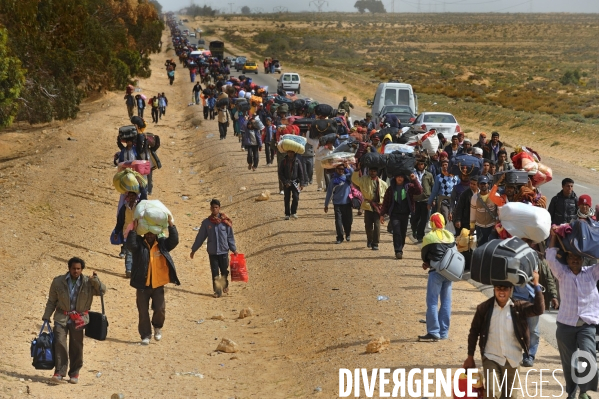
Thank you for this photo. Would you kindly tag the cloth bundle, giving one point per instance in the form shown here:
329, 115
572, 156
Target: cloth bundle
128, 180
429, 141
152, 216
143, 167
525, 221
465, 242
290, 142
337, 158
529, 160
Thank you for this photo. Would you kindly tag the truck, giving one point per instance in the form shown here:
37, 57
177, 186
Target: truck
217, 49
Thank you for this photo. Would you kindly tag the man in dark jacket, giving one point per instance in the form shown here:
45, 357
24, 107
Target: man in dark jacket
492, 148
152, 269
293, 177
563, 208
461, 211
218, 229
501, 324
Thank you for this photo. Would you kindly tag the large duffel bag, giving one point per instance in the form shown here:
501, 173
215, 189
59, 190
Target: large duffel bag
327, 138
323, 110
243, 106
42, 349
400, 164
299, 104
512, 177
320, 127
471, 163
128, 132
504, 261
451, 266
583, 240
283, 100
373, 160
223, 102
304, 124
525, 221
347, 146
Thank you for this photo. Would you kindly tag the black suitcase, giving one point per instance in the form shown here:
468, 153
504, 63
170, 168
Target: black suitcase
512, 177
128, 132
504, 261
97, 328
321, 127
304, 124
400, 164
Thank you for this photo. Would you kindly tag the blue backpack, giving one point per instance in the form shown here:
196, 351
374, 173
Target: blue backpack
42, 349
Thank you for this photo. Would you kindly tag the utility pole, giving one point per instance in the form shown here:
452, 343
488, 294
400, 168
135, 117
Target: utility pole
530, 6
419, 6
231, 5
393, 6
319, 4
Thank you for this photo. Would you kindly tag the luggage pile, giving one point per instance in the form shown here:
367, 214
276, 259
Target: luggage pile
129, 180
290, 142
142, 167
529, 160
400, 164
152, 216
337, 158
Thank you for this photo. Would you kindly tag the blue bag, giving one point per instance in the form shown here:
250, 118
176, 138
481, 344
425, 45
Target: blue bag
120, 240
471, 163
583, 240
42, 349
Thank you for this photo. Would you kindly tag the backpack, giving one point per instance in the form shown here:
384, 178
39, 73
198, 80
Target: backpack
42, 349
153, 141
452, 265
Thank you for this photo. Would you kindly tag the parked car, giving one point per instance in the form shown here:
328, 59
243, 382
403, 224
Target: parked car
192, 34
443, 122
250, 66
289, 82
239, 63
403, 112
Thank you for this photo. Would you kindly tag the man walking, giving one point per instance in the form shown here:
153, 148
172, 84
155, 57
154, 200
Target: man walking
152, 269
563, 208
339, 190
293, 178
346, 105
373, 190
483, 212
130, 103
420, 215
70, 299
196, 90
223, 122
441, 193
218, 229
461, 212
124, 218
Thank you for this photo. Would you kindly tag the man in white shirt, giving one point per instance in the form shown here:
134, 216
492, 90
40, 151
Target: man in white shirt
503, 330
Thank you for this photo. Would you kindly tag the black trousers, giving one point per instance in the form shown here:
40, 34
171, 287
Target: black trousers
291, 195
219, 266
419, 219
372, 224
206, 109
344, 218
222, 128
399, 224
155, 114
308, 163
270, 151
253, 155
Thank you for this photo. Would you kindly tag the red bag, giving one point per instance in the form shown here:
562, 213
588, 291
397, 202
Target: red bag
143, 167
239, 271
478, 388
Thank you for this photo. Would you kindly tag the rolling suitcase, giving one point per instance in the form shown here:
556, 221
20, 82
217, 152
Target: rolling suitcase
504, 261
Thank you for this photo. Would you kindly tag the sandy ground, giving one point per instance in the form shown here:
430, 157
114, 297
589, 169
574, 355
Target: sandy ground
315, 303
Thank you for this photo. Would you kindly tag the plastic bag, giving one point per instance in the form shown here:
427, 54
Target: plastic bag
430, 141
152, 216
465, 242
525, 221
238, 266
392, 147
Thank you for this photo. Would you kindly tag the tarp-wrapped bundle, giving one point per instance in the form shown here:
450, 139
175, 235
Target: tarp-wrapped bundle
373, 160
392, 147
582, 239
128, 180
293, 143
337, 158
400, 164
152, 216
347, 146
469, 162
525, 221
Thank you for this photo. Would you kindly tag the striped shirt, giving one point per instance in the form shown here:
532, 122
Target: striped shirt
578, 292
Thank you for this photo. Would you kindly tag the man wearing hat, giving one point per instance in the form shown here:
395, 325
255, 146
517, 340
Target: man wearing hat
466, 146
500, 327
483, 212
578, 315
346, 105
478, 152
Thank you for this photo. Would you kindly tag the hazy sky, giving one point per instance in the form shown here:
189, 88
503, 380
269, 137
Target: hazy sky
575, 6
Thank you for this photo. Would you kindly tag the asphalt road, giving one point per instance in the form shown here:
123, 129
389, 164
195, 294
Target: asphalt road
548, 320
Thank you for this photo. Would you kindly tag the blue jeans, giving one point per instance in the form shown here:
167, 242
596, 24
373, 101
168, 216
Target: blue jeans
533, 327
437, 318
128, 260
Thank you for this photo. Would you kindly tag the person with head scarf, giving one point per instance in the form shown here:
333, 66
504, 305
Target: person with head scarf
434, 246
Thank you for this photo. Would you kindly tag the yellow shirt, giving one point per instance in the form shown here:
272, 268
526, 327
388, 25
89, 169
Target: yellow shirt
158, 273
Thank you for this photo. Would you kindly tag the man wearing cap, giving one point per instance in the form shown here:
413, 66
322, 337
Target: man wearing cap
492, 148
500, 327
346, 105
563, 208
466, 146
478, 152
483, 212
578, 315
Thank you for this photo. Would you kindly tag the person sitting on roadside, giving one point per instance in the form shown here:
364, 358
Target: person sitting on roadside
500, 327
438, 289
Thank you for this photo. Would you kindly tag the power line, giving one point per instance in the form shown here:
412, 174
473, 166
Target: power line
231, 5
319, 4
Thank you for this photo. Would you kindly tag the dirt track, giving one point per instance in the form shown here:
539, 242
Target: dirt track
315, 302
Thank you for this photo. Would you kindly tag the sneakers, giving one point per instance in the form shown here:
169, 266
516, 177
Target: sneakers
368, 244
157, 334
122, 255
583, 395
427, 338
375, 247
56, 379
286, 217
338, 241
282, 192
74, 379
529, 362
398, 255
145, 341
294, 216
348, 238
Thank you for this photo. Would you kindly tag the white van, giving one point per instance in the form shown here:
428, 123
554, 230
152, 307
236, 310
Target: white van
290, 82
393, 93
